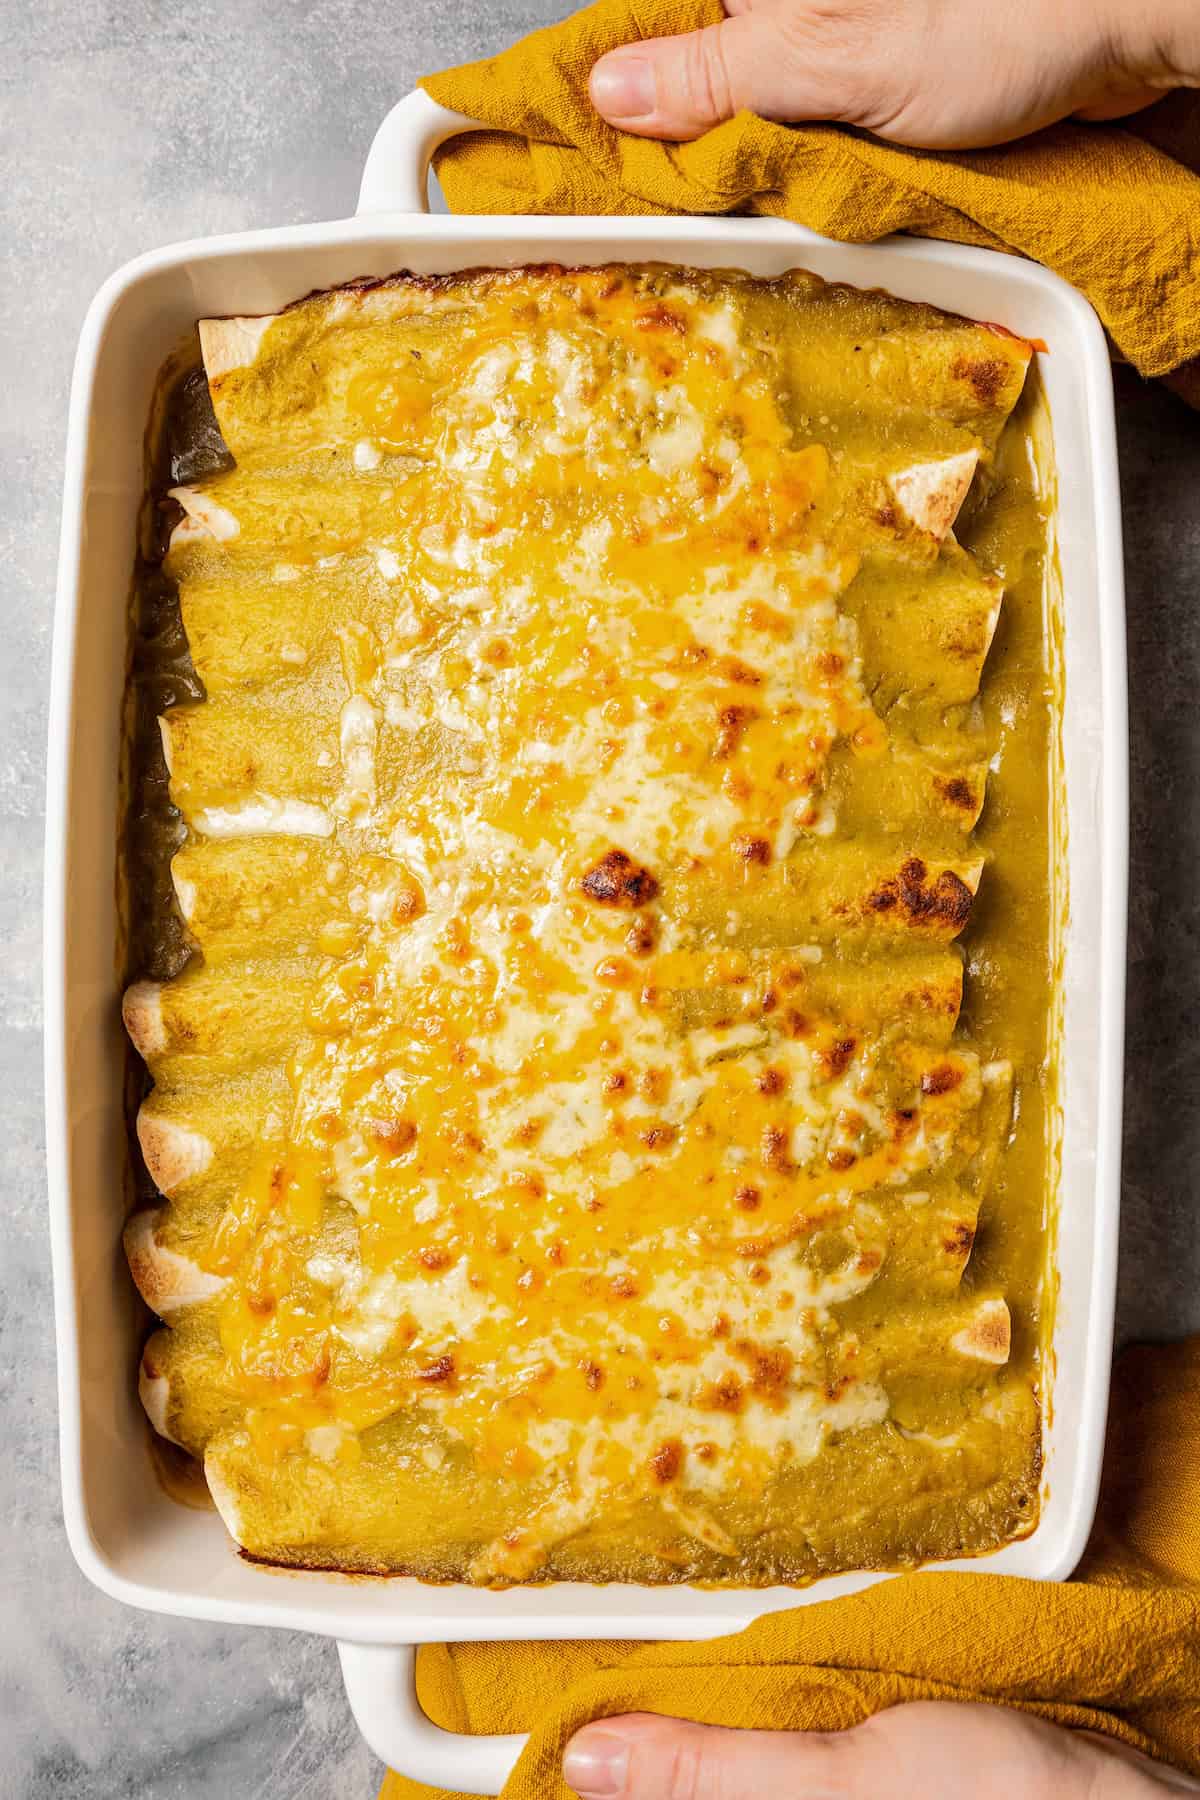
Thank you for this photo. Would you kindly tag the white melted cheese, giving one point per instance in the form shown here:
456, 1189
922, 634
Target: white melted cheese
266, 815
325, 1441
370, 1307
358, 737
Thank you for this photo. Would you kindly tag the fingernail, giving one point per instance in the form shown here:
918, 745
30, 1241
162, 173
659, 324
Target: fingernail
596, 1765
623, 87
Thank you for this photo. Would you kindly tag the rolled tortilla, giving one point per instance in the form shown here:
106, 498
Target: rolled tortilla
252, 897
166, 1281
924, 632
987, 1337
209, 1023
173, 1153
225, 1495
932, 1241
141, 1011
154, 1386
931, 493
919, 995
911, 788
228, 344
222, 755
204, 515
843, 893
955, 1340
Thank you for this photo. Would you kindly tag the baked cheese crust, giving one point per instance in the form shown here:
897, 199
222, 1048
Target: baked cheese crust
568, 1151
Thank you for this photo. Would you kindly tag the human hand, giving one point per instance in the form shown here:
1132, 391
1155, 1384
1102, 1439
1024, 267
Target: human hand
923, 1751
939, 74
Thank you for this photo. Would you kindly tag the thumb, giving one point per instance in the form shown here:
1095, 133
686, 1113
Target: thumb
644, 1757
677, 87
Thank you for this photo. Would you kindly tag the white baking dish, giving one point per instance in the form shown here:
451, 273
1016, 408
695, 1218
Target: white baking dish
128, 1537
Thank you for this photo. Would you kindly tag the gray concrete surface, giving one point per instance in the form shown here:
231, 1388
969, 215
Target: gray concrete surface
126, 125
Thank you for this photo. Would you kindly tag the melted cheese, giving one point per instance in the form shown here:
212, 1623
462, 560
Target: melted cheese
266, 815
588, 1230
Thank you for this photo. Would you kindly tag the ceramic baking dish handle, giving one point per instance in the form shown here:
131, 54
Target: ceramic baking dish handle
397, 168
381, 1687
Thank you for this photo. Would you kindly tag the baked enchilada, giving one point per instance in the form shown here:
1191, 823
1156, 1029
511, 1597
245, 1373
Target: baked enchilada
593, 932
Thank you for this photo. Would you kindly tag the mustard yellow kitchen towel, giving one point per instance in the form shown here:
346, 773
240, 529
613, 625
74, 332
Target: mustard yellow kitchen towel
1115, 209
1117, 1650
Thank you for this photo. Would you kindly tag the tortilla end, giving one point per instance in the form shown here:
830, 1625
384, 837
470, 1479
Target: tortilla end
225, 1498
142, 1016
932, 493
185, 893
164, 737
166, 1281
208, 517
186, 533
173, 1154
228, 344
971, 874
960, 795
988, 1337
154, 1390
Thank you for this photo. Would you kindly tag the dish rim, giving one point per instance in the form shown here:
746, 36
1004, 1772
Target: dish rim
419, 1612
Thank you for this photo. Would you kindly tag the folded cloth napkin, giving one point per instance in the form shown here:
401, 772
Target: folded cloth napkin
1116, 1650
1115, 209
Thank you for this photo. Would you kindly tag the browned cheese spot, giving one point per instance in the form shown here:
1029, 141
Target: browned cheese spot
616, 880
667, 1461
726, 1395
732, 668
752, 849
903, 1123
836, 1059
942, 1080
394, 1135
732, 722
944, 902
642, 935
614, 971
774, 1148
661, 317
770, 1370
440, 1370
